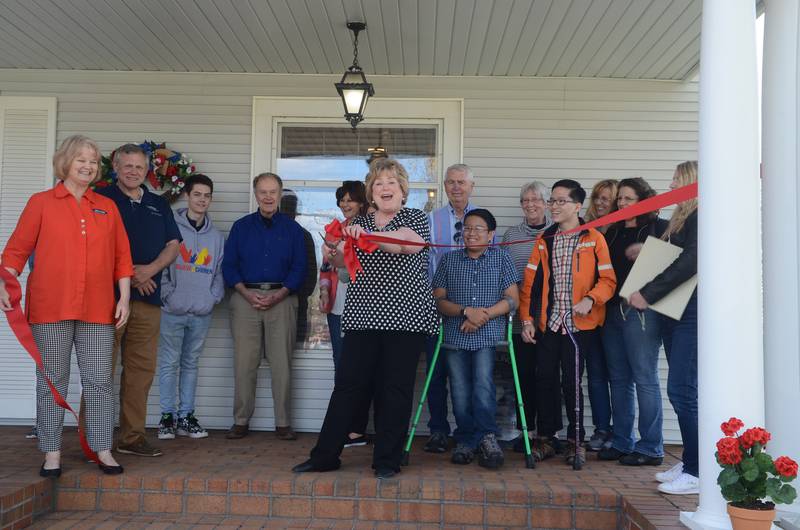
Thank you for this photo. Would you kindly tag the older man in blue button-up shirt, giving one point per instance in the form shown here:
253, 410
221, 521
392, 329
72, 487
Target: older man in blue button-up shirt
265, 262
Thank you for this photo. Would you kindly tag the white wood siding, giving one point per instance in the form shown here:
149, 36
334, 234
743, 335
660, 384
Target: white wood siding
515, 130
27, 135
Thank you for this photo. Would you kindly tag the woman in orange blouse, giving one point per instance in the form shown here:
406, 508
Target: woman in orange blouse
81, 250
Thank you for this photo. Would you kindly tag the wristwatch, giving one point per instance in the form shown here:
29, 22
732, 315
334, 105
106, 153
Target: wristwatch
463, 312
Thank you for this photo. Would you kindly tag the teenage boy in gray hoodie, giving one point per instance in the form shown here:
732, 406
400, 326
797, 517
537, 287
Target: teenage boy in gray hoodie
190, 288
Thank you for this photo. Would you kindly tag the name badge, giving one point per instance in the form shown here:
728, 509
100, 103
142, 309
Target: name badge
98, 210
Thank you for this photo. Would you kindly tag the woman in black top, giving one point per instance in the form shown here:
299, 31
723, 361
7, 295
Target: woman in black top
680, 337
388, 315
631, 340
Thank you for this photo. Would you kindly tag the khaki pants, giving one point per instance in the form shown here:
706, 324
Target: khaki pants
137, 342
275, 328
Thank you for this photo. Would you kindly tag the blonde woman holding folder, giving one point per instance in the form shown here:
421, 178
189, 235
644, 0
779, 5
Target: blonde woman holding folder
680, 336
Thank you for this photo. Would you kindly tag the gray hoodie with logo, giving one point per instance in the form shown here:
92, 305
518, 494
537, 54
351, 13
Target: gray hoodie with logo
193, 284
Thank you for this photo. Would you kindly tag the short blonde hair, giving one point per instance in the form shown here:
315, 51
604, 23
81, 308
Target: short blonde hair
378, 166
69, 150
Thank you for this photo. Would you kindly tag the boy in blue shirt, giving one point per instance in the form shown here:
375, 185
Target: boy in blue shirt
474, 287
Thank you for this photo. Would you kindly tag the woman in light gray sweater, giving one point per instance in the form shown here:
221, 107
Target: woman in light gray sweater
533, 199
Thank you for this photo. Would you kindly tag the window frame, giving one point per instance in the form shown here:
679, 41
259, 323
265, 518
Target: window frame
271, 112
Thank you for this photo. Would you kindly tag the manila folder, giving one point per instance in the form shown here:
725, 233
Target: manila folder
655, 256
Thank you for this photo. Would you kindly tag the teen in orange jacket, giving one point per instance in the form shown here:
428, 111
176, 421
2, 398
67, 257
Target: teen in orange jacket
568, 280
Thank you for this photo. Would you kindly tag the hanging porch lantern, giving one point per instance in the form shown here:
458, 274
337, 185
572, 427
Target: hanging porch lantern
354, 88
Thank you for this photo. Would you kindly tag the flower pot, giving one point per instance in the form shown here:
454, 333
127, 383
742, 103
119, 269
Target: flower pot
744, 519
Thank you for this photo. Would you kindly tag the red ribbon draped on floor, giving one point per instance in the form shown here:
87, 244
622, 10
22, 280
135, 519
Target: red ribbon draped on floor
367, 242
19, 325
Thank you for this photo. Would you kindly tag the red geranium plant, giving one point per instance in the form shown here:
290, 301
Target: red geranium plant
749, 475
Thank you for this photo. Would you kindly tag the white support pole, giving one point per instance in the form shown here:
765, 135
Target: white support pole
730, 359
781, 218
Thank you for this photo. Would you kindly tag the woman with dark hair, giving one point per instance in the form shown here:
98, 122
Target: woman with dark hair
333, 281
679, 336
631, 340
388, 316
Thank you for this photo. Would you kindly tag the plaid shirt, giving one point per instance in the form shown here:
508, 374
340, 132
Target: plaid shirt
563, 251
477, 282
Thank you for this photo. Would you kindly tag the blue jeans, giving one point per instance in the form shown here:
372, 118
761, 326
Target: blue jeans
179, 345
632, 339
437, 390
597, 375
335, 327
473, 393
680, 343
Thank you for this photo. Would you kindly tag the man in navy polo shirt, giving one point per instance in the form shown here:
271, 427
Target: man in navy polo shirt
154, 238
265, 262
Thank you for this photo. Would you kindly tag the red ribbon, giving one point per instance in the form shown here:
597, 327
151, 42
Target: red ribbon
334, 231
367, 242
19, 325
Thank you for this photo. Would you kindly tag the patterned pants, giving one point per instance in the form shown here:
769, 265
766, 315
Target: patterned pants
94, 344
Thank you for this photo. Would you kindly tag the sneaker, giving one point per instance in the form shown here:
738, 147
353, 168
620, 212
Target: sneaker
575, 454
437, 443
639, 459
139, 448
189, 426
489, 453
358, 441
599, 440
685, 484
462, 454
671, 474
166, 427
32, 434
542, 449
612, 453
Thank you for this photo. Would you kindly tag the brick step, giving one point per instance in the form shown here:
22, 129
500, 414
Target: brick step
329, 497
251, 479
23, 499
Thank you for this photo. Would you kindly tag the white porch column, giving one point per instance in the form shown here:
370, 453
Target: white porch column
730, 361
781, 218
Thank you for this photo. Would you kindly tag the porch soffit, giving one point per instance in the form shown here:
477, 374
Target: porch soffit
634, 39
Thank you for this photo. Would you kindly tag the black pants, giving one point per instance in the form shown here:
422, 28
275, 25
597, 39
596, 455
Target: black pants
525, 355
387, 359
556, 352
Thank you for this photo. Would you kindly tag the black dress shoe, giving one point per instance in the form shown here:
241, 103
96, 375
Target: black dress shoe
309, 466
638, 459
110, 470
55, 473
385, 473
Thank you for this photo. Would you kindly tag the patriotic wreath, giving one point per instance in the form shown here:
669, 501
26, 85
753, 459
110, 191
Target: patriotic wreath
168, 170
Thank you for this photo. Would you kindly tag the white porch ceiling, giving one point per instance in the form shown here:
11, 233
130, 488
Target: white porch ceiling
636, 39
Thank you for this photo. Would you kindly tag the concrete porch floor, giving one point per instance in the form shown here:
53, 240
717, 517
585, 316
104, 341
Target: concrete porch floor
221, 483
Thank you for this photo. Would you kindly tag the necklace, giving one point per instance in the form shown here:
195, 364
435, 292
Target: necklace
380, 224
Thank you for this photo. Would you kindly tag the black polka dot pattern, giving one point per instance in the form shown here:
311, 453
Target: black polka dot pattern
392, 293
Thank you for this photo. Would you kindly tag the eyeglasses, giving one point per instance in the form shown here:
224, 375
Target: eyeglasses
457, 236
476, 229
559, 202
531, 201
